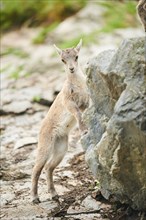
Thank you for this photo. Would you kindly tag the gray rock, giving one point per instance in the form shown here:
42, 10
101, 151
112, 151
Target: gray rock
25, 142
116, 142
17, 107
79, 24
7, 198
90, 204
48, 206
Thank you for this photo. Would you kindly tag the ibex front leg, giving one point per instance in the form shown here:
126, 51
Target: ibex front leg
75, 111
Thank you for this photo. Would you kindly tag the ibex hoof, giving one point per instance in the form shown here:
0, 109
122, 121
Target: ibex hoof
36, 201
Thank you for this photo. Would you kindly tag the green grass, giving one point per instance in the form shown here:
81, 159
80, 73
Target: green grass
40, 38
15, 51
15, 75
18, 73
70, 43
74, 41
97, 185
15, 13
119, 15
2, 70
36, 98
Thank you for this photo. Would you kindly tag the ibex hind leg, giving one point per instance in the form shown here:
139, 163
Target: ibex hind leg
40, 163
60, 148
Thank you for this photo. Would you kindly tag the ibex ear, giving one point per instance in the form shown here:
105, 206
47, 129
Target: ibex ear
59, 51
78, 47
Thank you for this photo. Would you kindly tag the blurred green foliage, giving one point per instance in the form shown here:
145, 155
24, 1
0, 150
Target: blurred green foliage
18, 72
15, 51
36, 98
49, 13
40, 38
15, 13
119, 15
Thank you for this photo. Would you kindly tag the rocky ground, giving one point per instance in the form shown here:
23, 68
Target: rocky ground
31, 78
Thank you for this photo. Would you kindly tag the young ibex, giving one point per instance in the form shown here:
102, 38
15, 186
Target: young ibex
64, 112
141, 9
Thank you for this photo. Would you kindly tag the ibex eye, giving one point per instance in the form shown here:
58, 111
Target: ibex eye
76, 58
63, 61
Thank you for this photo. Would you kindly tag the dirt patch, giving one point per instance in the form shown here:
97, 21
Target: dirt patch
82, 200
107, 209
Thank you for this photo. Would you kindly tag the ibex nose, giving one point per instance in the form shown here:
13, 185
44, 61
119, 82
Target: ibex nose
71, 69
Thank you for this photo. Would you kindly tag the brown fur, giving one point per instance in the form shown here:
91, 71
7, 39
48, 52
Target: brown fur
64, 113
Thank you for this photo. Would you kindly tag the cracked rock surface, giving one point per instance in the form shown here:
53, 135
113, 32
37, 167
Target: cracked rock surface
116, 141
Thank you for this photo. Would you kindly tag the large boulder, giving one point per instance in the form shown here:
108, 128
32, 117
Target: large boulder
116, 141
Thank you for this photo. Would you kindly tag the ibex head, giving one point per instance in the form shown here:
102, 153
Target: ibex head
70, 57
